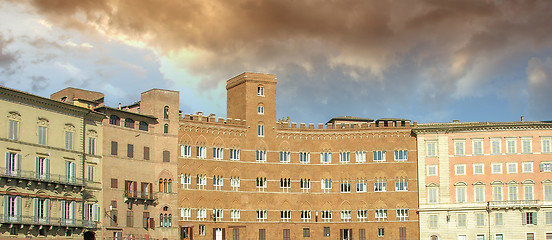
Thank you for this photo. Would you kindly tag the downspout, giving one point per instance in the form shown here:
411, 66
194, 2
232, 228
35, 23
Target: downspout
83, 161
489, 218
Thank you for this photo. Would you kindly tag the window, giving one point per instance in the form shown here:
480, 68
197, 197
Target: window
459, 147
401, 184
285, 157
305, 215
306, 232
91, 211
402, 214
546, 167
114, 120
235, 183
261, 215
460, 194
261, 184
527, 167
360, 156
201, 182
12, 208
480, 219
262, 234
381, 232
528, 192
113, 148
499, 236
545, 144
166, 112
185, 214
529, 218
530, 236
143, 126
260, 155
511, 167
185, 180
345, 215
234, 154
512, 192
285, 184
477, 146
327, 216
326, 185
361, 185
433, 194
91, 170
401, 155
185, 151
304, 157
114, 183
499, 219
362, 234
432, 170
285, 215
362, 215
495, 145
201, 152
496, 168
325, 157
42, 168
145, 220
235, 215
146, 153
13, 131
42, 135
547, 191
260, 90
479, 191
344, 157
460, 169
13, 164
130, 150
510, 145
480, 237
497, 193
130, 219
201, 215
201, 230
431, 149
345, 186
70, 172
218, 182
91, 146
305, 184
478, 169
260, 130
166, 128
68, 213
379, 156
69, 140
461, 220
129, 123
218, 214
381, 215
548, 216
380, 185
326, 231
433, 219
166, 156
526, 145
218, 153
260, 109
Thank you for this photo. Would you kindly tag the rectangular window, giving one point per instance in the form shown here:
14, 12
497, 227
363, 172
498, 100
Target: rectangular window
260, 130
42, 135
69, 140
166, 156
145, 220
381, 215
285, 157
91, 146
545, 144
511, 167
113, 148
305, 215
218, 214
201, 182
480, 237
546, 167
512, 193
380, 185
361, 185
431, 149
345, 186
326, 185
381, 232
130, 219
499, 219
529, 218
433, 194
497, 193
344, 157
91, 174
218, 182
305, 184
326, 231
511, 145
528, 192
42, 168
495, 145
261, 215
201, 230
260, 155
185, 214
527, 167
304, 157
285, 215
526, 146
146, 153
13, 133
379, 156
260, 109
547, 192
496, 168
402, 214
433, 220
480, 219
285, 184
362, 234
235, 183
260, 91
530, 236
130, 150
460, 169
186, 151
13, 164
478, 169
70, 172
459, 147
201, 214
362, 215
326, 157
360, 156
499, 236
234, 154
218, 153
235, 215
460, 194
201, 152
327, 216
236, 234
477, 146
479, 193
306, 232
401, 155
548, 216
461, 220
261, 184
432, 170
401, 184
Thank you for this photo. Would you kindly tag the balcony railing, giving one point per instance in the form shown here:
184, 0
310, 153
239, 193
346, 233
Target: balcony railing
35, 176
515, 204
34, 220
139, 196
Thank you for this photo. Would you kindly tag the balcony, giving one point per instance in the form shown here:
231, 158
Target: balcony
140, 197
26, 176
515, 204
54, 222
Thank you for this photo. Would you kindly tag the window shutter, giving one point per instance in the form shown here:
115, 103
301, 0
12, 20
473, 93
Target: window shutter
523, 218
35, 209
18, 164
96, 212
535, 218
47, 168
37, 168
18, 207
47, 210
73, 210
85, 211
6, 205
7, 162
73, 171
62, 210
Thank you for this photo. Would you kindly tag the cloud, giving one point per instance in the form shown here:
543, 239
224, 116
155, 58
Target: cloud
539, 79
7, 58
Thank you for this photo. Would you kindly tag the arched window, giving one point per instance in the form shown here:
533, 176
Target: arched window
160, 185
166, 112
170, 220
129, 123
165, 185
260, 90
161, 220
166, 128
114, 120
169, 187
143, 126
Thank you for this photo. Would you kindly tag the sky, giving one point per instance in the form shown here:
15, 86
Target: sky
427, 60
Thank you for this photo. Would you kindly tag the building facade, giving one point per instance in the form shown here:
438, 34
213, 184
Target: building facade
251, 176
139, 163
485, 180
50, 182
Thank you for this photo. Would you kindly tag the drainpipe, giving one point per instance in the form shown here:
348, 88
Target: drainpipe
489, 218
83, 161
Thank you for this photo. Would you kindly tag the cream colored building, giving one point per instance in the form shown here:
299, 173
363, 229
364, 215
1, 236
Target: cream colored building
50, 179
485, 180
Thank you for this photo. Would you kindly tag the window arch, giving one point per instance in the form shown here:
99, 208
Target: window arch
260, 109
166, 112
166, 128
129, 123
114, 120
260, 90
143, 126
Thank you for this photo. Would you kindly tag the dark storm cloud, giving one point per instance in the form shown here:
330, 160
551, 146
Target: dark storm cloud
377, 53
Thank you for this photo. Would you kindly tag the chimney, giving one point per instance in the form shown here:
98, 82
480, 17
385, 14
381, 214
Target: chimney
523, 118
455, 121
119, 106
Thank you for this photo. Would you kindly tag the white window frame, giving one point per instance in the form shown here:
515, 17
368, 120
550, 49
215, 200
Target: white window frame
260, 130
201, 181
461, 220
499, 219
361, 185
362, 215
304, 157
401, 185
326, 157
261, 183
201, 214
260, 90
218, 182
380, 185
285, 215
528, 192
546, 144
432, 195
345, 186
13, 130
185, 180
261, 215
496, 146
511, 145
260, 109
234, 154
459, 169
42, 135
285, 184
513, 192
235, 215
547, 191
480, 219
380, 215
511, 167
379, 156
477, 146
401, 155
431, 148
344, 157
345, 215
185, 151
201, 152
461, 194
402, 214
526, 145
429, 171
498, 192
260, 156
327, 215
69, 140
235, 183
185, 214
326, 185
459, 147
494, 170
305, 184
285, 157
305, 215
527, 167
360, 156
479, 193
477, 166
218, 153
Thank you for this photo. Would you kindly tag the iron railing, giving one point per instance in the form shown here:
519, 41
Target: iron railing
35, 176
35, 220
